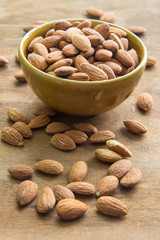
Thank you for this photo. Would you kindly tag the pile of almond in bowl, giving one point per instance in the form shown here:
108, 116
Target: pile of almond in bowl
79, 52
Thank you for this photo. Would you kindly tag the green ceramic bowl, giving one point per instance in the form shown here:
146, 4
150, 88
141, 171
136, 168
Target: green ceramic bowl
79, 97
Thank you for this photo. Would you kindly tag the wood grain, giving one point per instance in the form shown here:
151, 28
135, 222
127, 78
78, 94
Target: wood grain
143, 220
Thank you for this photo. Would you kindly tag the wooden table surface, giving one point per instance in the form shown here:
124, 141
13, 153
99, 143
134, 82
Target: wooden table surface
143, 219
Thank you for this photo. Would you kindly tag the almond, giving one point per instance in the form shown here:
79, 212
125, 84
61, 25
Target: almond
82, 188
119, 148
145, 101
110, 45
23, 128
63, 142
64, 71
122, 67
102, 136
90, 31
119, 168
69, 209
95, 73
62, 44
39, 121
107, 70
54, 56
16, 58
27, 191
37, 61
29, 27
100, 46
45, 201
59, 33
91, 60
107, 186
20, 171
60, 63
78, 171
51, 41
151, 61
138, 30
94, 40
70, 32
45, 110
89, 129
12, 136
88, 53
125, 58
16, 115
62, 192
103, 55
50, 33
111, 206
70, 50
131, 178
20, 76
103, 29
79, 76
39, 22
81, 42
125, 43
119, 32
114, 66
129, 70
116, 39
53, 49
40, 49
108, 17
85, 24
106, 155
62, 25
79, 61
134, 55
77, 136
49, 166
94, 12
35, 40
3, 61
56, 127
135, 126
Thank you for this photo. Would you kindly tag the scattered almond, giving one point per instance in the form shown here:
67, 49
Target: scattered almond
77, 136
78, 171
20, 171
102, 136
145, 101
111, 206
89, 129
108, 17
151, 61
135, 126
39, 121
12, 136
56, 127
20, 76
94, 12
106, 155
62, 192
16, 115
69, 209
119, 148
63, 142
49, 166
23, 128
131, 178
3, 61
27, 191
107, 186
82, 188
138, 30
45, 201
119, 168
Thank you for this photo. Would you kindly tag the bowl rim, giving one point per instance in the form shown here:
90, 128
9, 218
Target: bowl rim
69, 81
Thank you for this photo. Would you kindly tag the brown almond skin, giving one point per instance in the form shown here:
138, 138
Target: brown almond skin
49, 166
110, 45
125, 43
95, 73
62, 25
81, 42
151, 61
37, 61
103, 29
23, 128
95, 40
35, 40
54, 56
107, 70
131, 178
138, 30
119, 168
145, 101
85, 24
94, 12
12, 136
88, 128
119, 148
40, 49
20, 171
65, 71
60, 63
50, 33
111, 206
103, 55
70, 50
135, 126
62, 192
78, 171
134, 55
79, 76
56, 127
45, 201
106, 155
20, 76
3, 61
107, 186
108, 17
125, 58
27, 191
69, 209
118, 32
70, 32
45, 110
16, 115
79, 60
77, 136
82, 188
39, 121
102, 136
51, 41
62, 142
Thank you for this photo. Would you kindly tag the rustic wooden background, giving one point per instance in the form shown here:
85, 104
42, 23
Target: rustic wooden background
143, 219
